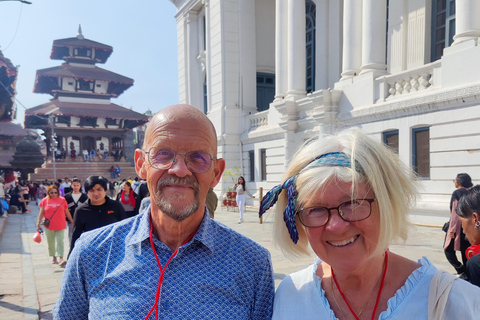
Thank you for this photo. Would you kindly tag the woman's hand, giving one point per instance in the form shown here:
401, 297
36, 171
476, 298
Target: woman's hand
452, 235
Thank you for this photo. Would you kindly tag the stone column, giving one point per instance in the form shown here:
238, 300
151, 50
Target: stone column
296, 48
374, 22
352, 38
467, 22
281, 45
192, 67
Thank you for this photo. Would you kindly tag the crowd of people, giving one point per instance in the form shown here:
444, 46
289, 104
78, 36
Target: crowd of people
58, 201
344, 198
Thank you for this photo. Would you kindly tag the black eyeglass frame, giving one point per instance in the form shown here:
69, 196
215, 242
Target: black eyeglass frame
370, 201
175, 158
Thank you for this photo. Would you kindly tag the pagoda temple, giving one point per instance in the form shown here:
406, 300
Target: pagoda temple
10, 133
80, 111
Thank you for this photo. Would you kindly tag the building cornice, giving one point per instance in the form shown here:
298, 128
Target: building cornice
421, 103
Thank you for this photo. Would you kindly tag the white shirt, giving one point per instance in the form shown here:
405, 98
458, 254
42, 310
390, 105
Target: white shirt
300, 296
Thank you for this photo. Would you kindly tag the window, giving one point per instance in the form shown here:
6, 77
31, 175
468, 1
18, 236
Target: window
110, 122
443, 26
421, 151
88, 122
204, 33
205, 96
310, 48
251, 158
83, 52
63, 119
84, 85
390, 138
265, 90
263, 164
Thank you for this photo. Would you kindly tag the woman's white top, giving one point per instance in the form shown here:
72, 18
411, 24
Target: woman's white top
300, 296
239, 190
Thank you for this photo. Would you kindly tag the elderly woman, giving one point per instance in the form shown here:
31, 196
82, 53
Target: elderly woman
348, 197
468, 210
55, 209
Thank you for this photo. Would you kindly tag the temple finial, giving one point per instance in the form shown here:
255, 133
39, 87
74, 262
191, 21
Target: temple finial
80, 35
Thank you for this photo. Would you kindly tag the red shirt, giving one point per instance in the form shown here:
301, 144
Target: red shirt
472, 250
58, 221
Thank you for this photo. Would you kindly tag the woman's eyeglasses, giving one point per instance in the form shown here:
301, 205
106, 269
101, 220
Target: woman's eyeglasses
53, 192
351, 211
163, 159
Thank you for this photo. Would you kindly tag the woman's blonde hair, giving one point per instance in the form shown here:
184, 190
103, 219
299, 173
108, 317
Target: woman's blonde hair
394, 185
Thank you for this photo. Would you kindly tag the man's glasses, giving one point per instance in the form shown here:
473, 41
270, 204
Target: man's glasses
163, 159
351, 211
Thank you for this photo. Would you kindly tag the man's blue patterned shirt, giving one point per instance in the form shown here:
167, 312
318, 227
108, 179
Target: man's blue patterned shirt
219, 274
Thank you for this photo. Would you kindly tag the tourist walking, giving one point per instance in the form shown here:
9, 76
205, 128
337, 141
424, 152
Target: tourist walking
241, 190
53, 215
113, 174
455, 238
74, 198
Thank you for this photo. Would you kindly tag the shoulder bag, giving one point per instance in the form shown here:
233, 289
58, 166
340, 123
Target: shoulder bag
46, 222
438, 294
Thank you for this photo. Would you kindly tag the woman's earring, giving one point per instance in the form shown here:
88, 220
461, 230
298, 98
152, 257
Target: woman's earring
477, 225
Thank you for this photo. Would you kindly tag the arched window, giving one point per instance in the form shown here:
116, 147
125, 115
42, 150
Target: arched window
310, 49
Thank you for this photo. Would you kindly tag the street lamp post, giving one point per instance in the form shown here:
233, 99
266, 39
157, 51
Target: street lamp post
53, 145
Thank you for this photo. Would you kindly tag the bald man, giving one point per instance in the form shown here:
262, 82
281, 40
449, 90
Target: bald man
171, 261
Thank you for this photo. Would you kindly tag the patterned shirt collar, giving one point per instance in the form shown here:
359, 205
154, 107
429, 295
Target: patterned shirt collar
141, 231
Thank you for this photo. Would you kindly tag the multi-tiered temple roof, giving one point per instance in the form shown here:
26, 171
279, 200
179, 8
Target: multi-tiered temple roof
80, 88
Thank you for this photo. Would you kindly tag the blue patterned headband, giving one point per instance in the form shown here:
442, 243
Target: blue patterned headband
332, 159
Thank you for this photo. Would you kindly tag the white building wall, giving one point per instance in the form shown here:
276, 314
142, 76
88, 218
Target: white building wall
411, 92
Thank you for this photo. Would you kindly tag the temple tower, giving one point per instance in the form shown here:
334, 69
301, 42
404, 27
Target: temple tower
80, 116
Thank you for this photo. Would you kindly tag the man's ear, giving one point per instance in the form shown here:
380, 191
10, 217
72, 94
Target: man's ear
218, 169
140, 163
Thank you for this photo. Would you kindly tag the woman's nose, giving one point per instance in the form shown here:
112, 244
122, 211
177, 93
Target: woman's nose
336, 223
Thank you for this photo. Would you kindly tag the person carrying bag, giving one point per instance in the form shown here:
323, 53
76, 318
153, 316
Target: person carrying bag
53, 214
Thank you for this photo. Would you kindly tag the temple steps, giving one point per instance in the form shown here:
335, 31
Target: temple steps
81, 170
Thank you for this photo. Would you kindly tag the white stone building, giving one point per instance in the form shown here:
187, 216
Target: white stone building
272, 73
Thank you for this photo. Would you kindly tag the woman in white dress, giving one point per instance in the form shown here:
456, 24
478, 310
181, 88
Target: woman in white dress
348, 197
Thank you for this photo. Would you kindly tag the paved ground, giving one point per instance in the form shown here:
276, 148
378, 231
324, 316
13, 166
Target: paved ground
29, 283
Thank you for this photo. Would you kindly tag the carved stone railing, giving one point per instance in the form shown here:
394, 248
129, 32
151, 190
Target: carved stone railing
410, 81
259, 119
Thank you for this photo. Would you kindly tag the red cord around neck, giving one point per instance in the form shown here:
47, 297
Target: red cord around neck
162, 271
378, 295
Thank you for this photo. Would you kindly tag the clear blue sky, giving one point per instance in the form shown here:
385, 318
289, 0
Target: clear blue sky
143, 35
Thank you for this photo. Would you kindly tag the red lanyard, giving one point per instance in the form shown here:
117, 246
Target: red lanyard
162, 271
379, 290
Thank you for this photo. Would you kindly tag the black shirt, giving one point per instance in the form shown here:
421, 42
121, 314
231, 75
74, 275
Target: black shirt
72, 205
89, 217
